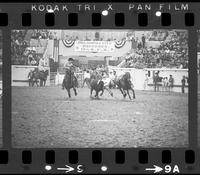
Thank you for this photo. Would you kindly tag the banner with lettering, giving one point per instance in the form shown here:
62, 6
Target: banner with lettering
94, 46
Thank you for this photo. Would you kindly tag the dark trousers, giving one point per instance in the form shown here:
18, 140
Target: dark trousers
86, 80
156, 87
30, 81
183, 89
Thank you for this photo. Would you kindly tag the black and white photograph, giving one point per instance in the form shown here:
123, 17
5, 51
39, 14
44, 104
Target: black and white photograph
99, 88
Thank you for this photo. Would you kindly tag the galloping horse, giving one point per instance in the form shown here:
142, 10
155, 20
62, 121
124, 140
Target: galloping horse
70, 81
125, 85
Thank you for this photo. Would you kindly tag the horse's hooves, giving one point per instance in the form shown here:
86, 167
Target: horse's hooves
97, 97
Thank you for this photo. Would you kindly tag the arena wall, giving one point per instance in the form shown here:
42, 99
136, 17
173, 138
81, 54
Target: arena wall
20, 75
138, 76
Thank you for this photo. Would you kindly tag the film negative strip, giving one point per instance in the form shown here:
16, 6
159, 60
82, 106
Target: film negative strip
93, 88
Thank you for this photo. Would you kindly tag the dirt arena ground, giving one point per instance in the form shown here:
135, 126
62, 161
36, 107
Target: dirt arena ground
44, 117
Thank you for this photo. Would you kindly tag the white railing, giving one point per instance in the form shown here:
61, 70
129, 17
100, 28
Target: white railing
138, 76
20, 75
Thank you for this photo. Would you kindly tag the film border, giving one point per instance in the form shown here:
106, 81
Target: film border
39, 153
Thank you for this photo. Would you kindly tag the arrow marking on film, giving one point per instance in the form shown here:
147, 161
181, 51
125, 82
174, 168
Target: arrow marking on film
156, 169
66, 169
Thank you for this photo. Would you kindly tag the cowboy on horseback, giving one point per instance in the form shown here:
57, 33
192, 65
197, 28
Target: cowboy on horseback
69, 66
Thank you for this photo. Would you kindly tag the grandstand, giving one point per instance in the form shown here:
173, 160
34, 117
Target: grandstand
27, 44
168, 50
163, 48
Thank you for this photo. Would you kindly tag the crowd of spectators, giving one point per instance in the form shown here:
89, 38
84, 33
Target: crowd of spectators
18, 46
21, 52
41, 34
172, 53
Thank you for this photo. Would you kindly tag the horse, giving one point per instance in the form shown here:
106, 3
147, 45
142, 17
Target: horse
31, 79
69, 82
39, 75
98, 84
124, 84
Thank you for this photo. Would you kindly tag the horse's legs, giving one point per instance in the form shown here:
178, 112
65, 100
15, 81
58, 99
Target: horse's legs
36, 81
128, 94
97, 94
75, 93
123, 93
102, 92
69, 94
133, 92
91, 90
109, 91
41, 83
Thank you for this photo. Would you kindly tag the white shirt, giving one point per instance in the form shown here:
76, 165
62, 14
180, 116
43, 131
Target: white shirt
41, 65
86, 75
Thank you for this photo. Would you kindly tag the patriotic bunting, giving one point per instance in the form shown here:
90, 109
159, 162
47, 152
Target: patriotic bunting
68, 43
119, 44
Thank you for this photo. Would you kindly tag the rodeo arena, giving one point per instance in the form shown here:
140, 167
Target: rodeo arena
99, 88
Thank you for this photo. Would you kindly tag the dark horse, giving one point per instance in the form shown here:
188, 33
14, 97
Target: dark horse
40, 75
97, 85
125, 85
69, 82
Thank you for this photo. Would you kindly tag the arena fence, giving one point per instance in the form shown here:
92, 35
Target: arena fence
20, 75
138, 76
